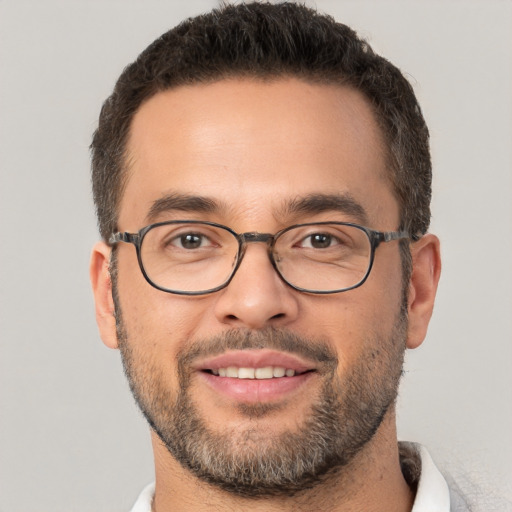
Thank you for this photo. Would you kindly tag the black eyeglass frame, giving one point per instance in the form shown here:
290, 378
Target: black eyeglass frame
375, 238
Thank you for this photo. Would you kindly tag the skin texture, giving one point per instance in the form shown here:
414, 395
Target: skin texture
253, 148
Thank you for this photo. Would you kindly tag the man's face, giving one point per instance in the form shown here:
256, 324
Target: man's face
253, 150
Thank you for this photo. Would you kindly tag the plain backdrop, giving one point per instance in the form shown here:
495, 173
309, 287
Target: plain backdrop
71, 438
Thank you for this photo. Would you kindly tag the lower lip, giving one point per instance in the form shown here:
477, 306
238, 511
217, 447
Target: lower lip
256, 390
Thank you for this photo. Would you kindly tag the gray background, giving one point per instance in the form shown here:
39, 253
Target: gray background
70, 435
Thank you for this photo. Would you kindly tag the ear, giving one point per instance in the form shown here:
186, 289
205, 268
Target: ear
102, 289
426, 270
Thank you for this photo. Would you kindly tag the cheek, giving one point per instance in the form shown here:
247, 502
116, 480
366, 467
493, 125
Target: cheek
154, 320
357, 322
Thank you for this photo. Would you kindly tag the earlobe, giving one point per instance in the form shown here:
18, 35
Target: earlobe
426, 270
102, 289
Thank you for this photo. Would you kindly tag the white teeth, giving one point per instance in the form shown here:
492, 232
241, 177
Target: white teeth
232, 371
264, 373
279, 372
267, 372
246, 373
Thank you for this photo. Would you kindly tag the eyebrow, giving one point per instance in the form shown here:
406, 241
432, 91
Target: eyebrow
319, 203
308, 205
182, 202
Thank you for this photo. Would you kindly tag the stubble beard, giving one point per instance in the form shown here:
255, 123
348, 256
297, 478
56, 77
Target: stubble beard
256, 462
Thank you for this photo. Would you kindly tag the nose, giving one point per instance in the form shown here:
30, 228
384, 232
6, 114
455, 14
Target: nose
256, 297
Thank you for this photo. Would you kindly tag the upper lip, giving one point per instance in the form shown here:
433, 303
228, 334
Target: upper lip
259, 358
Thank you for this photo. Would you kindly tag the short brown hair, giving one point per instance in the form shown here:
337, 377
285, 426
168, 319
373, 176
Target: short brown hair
262, 40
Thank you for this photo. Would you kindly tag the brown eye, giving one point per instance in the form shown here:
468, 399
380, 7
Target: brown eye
319, 241
190, 241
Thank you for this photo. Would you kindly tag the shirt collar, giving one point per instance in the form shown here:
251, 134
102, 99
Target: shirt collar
432, 492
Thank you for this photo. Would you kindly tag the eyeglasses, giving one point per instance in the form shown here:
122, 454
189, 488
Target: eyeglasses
195, 257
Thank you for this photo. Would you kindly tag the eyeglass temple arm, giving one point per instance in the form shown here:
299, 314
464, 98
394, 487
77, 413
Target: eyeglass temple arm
397, 235
131, 238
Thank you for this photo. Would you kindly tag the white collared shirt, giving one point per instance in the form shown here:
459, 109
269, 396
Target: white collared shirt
432, 495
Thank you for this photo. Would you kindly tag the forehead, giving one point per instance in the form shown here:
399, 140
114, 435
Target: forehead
254, 145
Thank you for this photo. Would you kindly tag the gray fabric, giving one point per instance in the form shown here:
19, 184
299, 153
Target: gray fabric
457, 501
468, 496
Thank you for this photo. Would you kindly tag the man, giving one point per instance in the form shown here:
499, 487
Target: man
273, 174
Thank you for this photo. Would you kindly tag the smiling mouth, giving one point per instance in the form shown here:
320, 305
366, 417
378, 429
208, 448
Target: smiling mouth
262, 373
257, 375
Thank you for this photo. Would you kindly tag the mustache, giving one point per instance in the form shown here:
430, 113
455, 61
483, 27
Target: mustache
273, 338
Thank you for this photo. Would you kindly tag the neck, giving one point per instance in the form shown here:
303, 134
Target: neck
372, 481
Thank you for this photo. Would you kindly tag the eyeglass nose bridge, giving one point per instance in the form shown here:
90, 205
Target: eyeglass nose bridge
251, 237
254, 236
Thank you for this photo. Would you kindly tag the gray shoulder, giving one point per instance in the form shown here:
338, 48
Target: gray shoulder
473, 498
